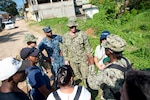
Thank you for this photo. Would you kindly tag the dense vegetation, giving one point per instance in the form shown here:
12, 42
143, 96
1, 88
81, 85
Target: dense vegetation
133, 25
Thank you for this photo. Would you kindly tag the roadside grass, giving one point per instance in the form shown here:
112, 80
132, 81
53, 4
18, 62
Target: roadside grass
58, 25
135, 29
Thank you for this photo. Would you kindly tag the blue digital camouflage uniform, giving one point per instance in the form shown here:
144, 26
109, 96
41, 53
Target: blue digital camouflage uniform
75, 49
52, 48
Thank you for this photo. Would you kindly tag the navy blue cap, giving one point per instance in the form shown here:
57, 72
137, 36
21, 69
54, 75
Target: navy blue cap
47, 29
104, 34
25, 52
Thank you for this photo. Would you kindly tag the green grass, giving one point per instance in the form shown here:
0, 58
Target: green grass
57, 24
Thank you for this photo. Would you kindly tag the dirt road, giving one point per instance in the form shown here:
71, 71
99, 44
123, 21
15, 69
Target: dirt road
11, 41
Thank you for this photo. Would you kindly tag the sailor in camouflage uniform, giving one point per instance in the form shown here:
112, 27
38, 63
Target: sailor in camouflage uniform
77, 50
110, 79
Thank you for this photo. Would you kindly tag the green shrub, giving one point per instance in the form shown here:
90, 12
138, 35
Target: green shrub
143, 27
134, 12
143, 53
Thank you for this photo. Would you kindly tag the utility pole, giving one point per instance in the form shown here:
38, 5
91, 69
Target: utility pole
24, 10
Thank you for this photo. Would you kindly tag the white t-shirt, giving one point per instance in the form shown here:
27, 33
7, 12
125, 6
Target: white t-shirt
100, 53
85, 95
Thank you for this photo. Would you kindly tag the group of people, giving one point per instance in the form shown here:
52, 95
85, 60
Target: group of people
73, 62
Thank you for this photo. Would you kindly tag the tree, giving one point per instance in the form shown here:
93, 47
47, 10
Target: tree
9, 6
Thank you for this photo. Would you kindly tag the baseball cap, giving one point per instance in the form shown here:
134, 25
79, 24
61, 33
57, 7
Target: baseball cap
25, 52
115, 43
47, 29
29, 38
9, 66
104, 34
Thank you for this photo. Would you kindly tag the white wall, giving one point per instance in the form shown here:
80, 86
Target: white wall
56, 9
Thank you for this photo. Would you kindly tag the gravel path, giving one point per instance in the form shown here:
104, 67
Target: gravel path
11, 41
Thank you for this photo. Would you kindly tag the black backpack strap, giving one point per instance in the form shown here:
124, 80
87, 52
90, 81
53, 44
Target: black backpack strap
55, 94
78, 93
129, 66
123, 69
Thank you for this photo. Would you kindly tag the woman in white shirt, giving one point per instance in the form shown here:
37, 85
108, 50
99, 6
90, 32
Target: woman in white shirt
100, 55
67, 91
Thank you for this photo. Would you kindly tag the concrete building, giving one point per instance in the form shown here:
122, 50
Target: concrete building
41, 9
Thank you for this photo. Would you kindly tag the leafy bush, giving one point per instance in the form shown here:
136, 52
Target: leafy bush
144, 27
143, 53
134, 12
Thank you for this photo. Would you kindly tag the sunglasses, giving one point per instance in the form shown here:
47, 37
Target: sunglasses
49, 32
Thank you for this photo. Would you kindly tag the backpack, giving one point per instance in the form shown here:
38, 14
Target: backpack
123, 69
119, 67
57, 97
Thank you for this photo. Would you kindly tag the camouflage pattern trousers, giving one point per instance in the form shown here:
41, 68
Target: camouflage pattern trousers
80, 70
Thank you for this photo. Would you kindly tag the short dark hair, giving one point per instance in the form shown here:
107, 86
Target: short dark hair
64, 75
118, 55
137, 85
102, 40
